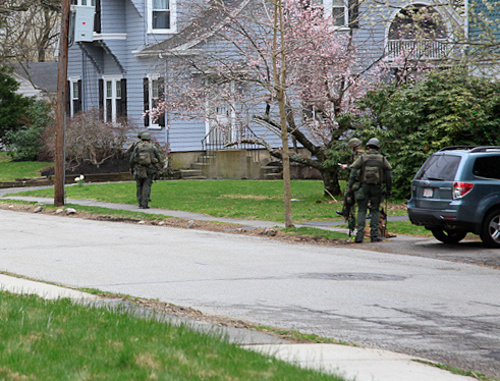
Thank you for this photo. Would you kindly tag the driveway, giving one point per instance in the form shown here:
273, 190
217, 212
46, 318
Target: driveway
442, 310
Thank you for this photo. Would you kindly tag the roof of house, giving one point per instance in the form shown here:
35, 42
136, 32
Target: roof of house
205, 26
43, 75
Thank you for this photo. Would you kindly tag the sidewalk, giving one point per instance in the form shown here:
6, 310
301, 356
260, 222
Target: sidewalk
353, 363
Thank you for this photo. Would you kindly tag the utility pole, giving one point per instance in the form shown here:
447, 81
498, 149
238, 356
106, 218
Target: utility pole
62, 72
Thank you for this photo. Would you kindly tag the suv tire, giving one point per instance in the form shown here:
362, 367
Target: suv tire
490, 234
448, 236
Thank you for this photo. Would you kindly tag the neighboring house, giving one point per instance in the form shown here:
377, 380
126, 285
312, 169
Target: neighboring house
483, 32
36, 79
120, 69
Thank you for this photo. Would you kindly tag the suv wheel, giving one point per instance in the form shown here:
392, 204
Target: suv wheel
490, 233
448, 236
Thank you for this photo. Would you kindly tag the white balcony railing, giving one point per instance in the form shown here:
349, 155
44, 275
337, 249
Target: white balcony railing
417, 49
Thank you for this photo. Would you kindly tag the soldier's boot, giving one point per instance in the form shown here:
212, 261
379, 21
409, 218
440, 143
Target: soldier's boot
359, 236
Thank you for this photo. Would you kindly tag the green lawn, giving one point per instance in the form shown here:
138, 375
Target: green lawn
58, 340
10, 171
248, 199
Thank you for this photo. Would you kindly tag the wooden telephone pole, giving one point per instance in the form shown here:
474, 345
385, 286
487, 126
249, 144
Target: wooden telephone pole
62, 72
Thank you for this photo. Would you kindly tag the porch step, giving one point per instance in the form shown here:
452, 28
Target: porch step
207, 159
271, 172
191, 174
199, 166
273, 176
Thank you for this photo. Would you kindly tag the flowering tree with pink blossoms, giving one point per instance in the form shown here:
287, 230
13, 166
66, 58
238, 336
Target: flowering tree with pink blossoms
298, 72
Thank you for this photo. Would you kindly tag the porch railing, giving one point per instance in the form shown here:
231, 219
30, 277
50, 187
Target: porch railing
428, 49
232, 138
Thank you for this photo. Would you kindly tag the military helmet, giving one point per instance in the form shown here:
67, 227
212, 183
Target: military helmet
373, 142
145, 136
354, 142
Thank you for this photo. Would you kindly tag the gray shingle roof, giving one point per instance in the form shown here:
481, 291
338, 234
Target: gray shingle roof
42, 74
200, 28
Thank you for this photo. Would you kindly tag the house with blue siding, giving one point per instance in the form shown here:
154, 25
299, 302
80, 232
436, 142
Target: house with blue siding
483, 32
121, 66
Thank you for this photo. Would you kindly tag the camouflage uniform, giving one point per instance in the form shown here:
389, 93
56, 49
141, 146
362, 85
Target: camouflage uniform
144, 162
130, 149
374, 171
356, 151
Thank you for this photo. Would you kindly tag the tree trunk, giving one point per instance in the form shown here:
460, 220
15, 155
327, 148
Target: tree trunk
331, 182
280, 86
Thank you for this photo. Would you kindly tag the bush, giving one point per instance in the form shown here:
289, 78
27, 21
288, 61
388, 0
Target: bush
446, 108
90, 140
166, 156
26, 143
12, 106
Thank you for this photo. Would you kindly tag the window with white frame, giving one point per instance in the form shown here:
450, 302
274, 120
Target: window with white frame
342, 12
74, 96
112, 98
83, 2
161, 16
312, 3
153, 92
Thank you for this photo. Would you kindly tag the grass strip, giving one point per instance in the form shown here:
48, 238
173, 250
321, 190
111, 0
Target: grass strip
451, 369
49, 340
300, 337
246, 199
10, 171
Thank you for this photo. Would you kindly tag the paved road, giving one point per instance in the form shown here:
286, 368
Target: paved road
445, 311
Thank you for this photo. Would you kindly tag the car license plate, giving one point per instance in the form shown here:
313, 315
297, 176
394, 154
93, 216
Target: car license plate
428, 192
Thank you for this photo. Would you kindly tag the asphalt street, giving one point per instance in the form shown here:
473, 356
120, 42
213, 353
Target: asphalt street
441, 310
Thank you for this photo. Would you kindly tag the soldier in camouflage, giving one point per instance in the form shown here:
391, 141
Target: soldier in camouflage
145, 161
374, 171
356, 151
130, 149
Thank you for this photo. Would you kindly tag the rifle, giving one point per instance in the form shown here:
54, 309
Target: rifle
349, 211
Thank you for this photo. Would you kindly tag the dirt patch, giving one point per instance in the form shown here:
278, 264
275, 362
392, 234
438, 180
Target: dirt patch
109, 166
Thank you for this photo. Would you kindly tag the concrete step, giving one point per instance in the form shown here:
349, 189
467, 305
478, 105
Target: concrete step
190, 173
199, 166
206, 158
273, 176
271, 169
195, 178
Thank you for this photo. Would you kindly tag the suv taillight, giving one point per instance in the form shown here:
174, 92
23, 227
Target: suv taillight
461, 189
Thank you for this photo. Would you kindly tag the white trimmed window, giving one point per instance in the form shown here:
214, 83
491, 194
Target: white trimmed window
83, 2
161, 16
340, 13
112, 98
74, 95
153, 92
337, 9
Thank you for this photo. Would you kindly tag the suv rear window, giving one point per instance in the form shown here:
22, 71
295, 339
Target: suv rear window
488, 166
439, 167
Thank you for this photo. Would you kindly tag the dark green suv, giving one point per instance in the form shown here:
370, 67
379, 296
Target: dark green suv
457, 191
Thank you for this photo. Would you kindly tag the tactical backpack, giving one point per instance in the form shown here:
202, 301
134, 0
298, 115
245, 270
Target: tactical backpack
143, 153
372, 171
